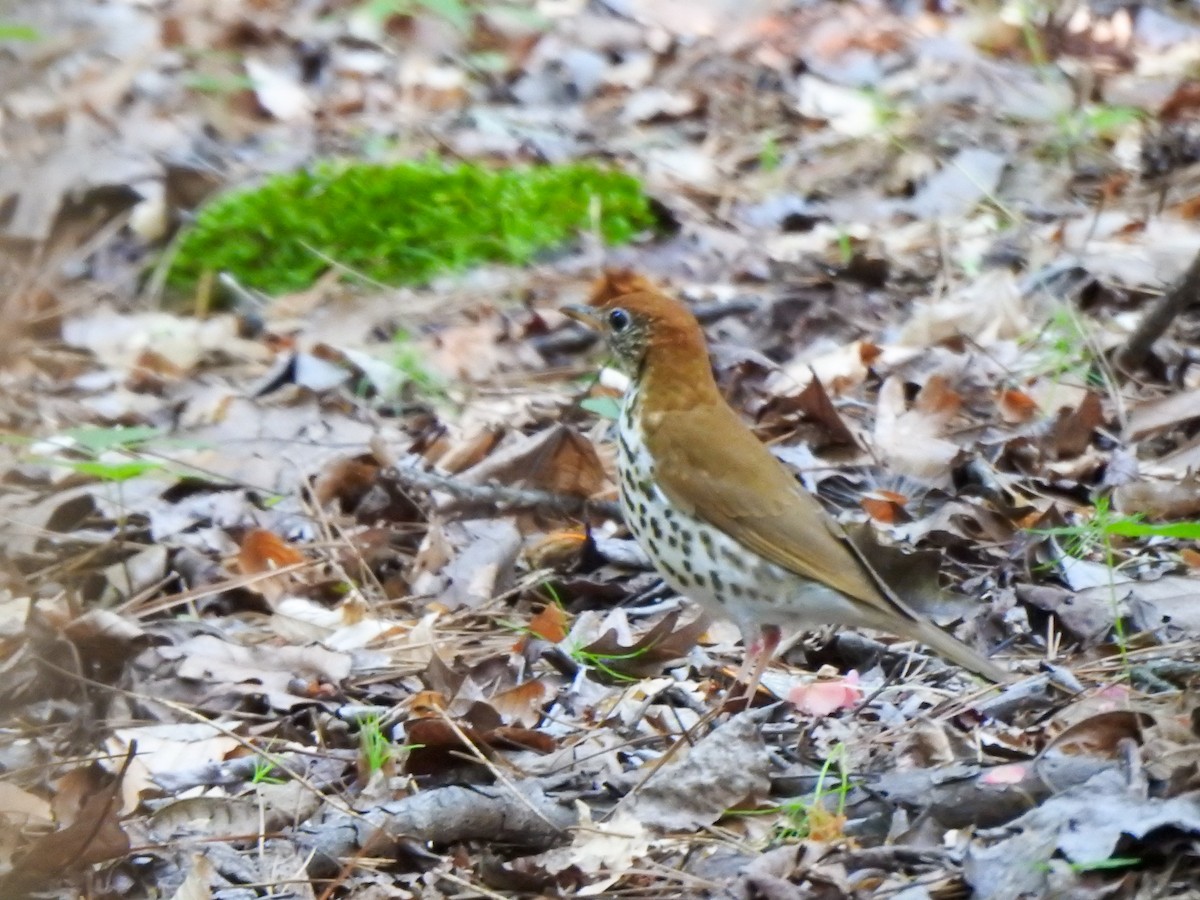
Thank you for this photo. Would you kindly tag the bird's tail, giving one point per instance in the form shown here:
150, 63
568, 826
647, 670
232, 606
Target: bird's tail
956, 651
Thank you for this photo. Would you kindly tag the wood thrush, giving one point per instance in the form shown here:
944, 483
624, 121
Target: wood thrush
724, 522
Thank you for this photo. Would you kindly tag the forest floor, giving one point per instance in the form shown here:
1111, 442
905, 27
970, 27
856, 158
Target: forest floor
324, 595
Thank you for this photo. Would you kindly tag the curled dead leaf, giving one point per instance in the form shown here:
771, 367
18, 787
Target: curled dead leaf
1073, 430
1102, 733
885, 506
1016, 406
550, 624
559, 550
661, 645
265, 551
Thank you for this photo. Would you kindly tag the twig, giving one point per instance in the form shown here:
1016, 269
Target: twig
497, 498
1183, 293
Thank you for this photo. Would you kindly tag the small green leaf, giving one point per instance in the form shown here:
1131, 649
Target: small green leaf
1186, 531
1114, 862
604, 407
217, 84
115, 471
10, 31
97, 440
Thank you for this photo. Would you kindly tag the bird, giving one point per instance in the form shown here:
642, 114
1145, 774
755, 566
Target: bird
723, 521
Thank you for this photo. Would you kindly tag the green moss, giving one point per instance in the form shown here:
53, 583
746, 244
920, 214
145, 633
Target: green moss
401, 224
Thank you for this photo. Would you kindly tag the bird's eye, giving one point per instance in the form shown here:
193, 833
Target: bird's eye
618, 320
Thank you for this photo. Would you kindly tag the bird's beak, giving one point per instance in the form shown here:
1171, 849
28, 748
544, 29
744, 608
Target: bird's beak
582, 314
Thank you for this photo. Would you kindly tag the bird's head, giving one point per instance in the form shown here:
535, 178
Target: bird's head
643, 327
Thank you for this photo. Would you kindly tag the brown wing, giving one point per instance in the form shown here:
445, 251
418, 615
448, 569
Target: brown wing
738, 486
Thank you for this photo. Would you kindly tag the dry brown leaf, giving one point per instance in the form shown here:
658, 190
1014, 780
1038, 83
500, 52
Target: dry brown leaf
1154, 415
699, 786
265, 551
1160, 498
346, 480
560, 551
1073, 431
20, 809
427, 704
910, 439
1016, 406
885, 506
460, 454
661, 645
484, 563
550, 624
814, 405
558, 459
521, 703
286, 676
1102, 734
1188, 210
163, 750
197, 885
438, 746
94, 835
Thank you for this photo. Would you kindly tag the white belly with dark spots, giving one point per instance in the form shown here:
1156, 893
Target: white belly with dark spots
711, 568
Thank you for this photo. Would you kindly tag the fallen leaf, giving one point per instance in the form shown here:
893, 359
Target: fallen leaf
701, 784
1073, 430
647, 656
264, 551
823, 697
1016, 406
550, 624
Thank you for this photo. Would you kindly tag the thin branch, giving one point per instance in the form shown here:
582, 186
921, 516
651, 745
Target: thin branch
1185, 292
497, 498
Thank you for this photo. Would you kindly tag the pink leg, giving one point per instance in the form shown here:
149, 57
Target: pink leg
758, 657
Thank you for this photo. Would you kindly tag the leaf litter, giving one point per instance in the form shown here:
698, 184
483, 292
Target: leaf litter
327, 595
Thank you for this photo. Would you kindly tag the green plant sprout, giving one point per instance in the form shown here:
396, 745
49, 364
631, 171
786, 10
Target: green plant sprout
808, 817
456, 12
805, 817
1088, 125
408, 360
1062, 350
402, 223
459, 13
1083, 539
1029, 33
11, 31
263, 767
1096, 535
845, 247
1081, 868
374, 746
1097, 532
1113, 862
552, 593
769, 155
110, 454
601, 662
218, 84
885, 108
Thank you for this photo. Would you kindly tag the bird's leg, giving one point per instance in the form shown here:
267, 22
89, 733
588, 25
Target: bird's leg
758, 656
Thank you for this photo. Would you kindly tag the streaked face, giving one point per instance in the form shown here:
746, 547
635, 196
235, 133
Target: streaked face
625, 330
